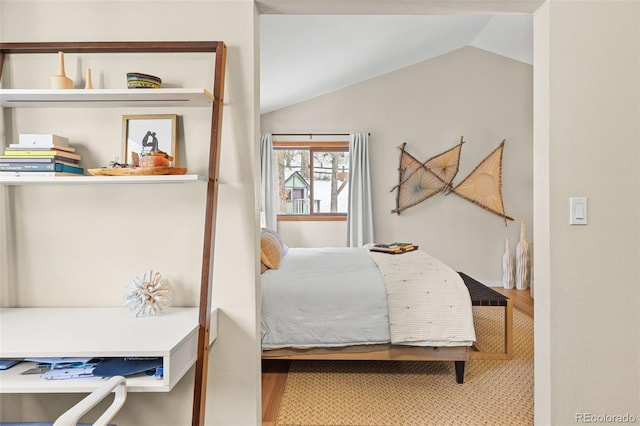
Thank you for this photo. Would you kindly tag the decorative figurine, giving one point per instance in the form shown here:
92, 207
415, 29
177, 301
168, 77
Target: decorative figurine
149, 295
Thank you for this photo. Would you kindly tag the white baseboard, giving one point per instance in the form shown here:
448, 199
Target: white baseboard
491, 283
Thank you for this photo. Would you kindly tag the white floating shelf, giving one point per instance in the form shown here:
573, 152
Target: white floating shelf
97, 332
97, 180
14, 98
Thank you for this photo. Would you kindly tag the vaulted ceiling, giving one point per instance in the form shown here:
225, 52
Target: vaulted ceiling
304, 56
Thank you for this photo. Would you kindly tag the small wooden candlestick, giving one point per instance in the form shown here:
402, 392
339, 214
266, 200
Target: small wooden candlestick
88, 84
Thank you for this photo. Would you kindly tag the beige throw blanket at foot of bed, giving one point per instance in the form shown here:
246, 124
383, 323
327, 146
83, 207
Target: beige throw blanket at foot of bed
427, 301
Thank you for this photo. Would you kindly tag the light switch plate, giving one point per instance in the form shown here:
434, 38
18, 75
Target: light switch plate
578, 210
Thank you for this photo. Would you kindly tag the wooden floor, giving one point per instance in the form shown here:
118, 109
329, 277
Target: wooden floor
274, 372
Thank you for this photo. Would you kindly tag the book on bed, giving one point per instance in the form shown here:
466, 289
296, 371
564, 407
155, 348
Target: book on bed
394, 248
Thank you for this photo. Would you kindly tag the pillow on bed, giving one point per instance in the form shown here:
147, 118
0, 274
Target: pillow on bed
270, 250
275, 234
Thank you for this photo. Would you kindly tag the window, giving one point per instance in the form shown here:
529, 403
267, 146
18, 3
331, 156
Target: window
313, 179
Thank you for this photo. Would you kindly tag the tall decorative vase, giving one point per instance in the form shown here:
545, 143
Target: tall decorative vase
522, 259
61, 81
507, 267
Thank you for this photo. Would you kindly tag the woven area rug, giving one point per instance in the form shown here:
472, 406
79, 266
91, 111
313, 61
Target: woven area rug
367, 393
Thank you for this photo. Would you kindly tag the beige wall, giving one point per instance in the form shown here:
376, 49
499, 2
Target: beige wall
80, 245
468, 92
542, 322
593, 289
587, 104
587, 297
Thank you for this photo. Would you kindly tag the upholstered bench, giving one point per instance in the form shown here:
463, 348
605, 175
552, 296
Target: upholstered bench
481, 295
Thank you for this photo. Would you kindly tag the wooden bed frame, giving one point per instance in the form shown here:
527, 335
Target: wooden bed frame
481, 295
458, 354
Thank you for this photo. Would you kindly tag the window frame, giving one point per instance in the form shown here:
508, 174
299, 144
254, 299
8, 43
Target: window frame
324, 146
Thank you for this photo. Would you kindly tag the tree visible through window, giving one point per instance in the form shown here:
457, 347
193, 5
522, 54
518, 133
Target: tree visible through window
313, 178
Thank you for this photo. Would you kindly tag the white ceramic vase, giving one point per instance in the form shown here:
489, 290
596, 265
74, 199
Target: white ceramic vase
522, 259
507, 267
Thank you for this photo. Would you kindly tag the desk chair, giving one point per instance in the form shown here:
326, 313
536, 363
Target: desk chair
72, 416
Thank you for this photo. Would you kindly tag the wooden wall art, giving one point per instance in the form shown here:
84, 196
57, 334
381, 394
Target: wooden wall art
419, 181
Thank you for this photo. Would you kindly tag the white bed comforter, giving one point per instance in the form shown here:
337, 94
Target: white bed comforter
323, 297
330, 297
428, 303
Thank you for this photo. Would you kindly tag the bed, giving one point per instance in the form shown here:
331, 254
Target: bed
343, 303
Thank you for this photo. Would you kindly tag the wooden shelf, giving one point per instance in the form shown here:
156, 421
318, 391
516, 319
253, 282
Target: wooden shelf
99, 180
97, 332
14, 98
182, 343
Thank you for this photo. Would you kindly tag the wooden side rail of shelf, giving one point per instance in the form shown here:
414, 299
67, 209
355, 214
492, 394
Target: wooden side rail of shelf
218, 49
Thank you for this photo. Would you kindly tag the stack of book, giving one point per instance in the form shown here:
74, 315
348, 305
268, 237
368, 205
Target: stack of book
40, 155
394, 248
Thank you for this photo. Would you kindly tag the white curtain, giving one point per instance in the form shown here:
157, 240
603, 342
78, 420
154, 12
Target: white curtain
360, 216
269, 196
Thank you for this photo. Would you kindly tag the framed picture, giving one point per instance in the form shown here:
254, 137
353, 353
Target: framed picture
154, 132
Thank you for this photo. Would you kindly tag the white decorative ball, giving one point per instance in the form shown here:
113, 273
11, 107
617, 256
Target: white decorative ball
149, 295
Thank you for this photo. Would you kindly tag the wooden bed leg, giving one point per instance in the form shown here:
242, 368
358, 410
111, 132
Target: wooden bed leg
459, 371
508, 329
